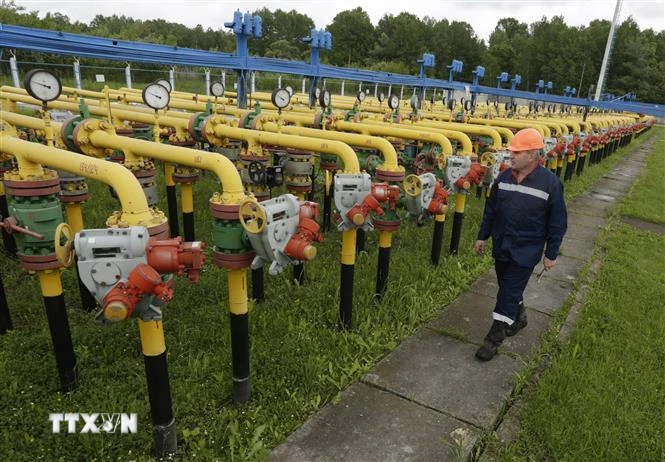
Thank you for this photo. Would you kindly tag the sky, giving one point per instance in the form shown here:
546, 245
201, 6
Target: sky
482, 15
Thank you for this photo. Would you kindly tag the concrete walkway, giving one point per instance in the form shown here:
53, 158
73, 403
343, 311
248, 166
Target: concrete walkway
430, 399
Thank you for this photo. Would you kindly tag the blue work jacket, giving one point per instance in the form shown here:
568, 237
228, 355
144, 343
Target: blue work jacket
522, 218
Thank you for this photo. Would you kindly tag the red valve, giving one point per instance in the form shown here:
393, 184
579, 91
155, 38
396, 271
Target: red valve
358, 213
439, 203
175, 256
300, 245
474, 175
308, 210
120, 302
503, 166
383, 192
10, 224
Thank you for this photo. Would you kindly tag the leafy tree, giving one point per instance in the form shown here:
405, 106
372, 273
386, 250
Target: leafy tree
354, 37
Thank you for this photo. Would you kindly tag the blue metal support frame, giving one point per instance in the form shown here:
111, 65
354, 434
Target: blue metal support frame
86, 46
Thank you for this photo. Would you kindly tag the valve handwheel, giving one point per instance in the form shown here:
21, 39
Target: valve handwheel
412, 185
64, 245
257, 172
487, 159
252, 216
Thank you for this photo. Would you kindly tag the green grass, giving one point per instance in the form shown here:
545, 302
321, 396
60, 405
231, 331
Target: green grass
602, 398
646, 200
300, 359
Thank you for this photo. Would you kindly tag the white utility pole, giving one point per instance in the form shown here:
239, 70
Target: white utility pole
608, 51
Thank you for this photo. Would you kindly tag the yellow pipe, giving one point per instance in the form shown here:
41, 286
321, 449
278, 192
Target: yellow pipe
348, 256
152, 337
513, 123
460, 202
237, 282
74, 216
217, 126
462, 138
392, 130
169, 168
30, 156
50, 282
187, 197
385, 239
373, 142
466, 128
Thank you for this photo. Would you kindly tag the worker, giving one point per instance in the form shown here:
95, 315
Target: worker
525, 215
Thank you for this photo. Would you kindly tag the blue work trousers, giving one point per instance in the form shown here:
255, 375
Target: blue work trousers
512, 279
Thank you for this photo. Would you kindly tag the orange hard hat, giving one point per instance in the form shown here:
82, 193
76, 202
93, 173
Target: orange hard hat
526, 139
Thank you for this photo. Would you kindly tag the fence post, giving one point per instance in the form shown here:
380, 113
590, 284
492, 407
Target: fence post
128, 76
401, 93
390, 89
342, 92
14, 69
253, 87
207, 71
77, 73
172, 78
224, 79
279, 82
376, 89
303, 85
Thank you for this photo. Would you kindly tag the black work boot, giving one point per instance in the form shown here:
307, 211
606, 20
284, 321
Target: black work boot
493, 339
519, 324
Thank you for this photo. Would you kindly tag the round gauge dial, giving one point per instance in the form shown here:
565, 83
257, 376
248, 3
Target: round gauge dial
289, 89
393, 101
324, 98
217, 89
156, 96
281, 97
415, 102
165, 83
42, 85
381, 97
317, 92
361, 96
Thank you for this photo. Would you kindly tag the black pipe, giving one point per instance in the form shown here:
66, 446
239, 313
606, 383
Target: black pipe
299, 273
458, 219
437, 241
382, 270
479, 191
65, 358
161, 406
559, 169
188, 226
346, 296
360, 241
258, 293
240, 357
580, 165
570, 168
88, 302
5, 318
7, 239
172, 202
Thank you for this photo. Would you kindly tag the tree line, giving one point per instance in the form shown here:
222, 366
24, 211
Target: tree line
548, 49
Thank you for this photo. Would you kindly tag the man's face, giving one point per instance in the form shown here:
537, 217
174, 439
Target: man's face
521, 159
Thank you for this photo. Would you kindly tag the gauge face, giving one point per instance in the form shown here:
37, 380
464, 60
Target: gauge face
324, 98
393, 101
42, 85
289, 89
156, 96
361, 96
317, 92
415, 102
280, 97
164, 83
381, 97
217, 89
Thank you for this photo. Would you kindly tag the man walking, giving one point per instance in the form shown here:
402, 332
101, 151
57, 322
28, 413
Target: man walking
525, 214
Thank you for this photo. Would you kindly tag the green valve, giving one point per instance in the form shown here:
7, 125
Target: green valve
41, 214
229, 236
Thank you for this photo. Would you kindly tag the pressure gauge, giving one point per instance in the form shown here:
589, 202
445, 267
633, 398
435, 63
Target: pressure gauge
381, 97
165, 83
42, 85
324, 99
281, 97
156, 96
317, 92
393, 101
290, 90
360, 96
217, 89
415, 102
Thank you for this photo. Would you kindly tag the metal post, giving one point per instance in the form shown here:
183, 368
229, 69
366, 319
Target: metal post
376, 89
253, 87
207, 82
128, 76
224, 79
172, 78
14, 70
279, 82
390, 89
401, 93
303, 85
342, 92
77, 74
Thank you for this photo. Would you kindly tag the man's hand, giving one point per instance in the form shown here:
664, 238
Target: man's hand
548, 264
479, 248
